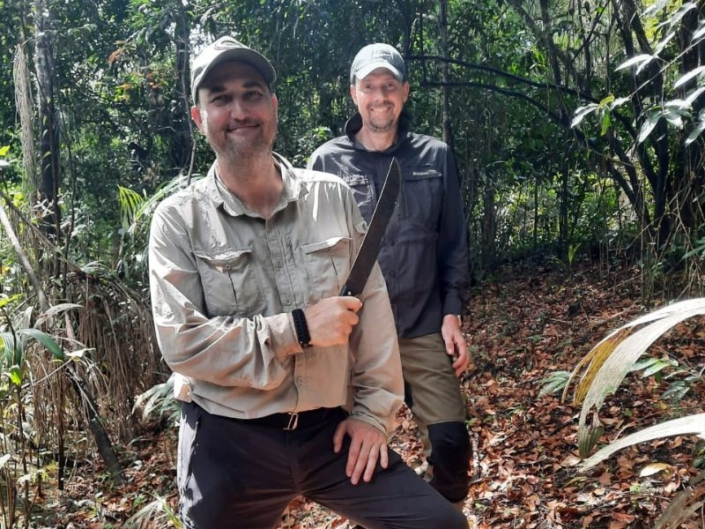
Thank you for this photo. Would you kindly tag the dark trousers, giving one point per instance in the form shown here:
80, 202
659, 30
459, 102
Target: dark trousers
232, 474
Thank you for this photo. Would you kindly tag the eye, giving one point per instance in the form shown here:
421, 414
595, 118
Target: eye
253, 95
220, 100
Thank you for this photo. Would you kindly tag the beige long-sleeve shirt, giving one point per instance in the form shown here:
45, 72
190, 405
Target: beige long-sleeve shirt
224, 282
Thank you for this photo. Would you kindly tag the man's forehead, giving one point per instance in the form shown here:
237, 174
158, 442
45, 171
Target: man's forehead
379, 73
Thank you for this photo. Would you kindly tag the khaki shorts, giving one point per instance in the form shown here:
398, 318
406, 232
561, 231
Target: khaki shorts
428, 372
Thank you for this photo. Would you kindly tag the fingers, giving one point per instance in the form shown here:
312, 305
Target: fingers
461, 363
353, 468
338, 436
331, 320
350, 303
363, 458
368, 446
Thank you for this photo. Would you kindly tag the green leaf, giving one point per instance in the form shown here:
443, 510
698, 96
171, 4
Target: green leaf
688, 76
638, 60
695, 133
655, 8
11, 348
16, 375
678, 15
648, 125
55, 310
554, 382
700, 33
46, 340
674, 118
656, 367
619, 102
581, 112
622, 358
606, 122
4, 150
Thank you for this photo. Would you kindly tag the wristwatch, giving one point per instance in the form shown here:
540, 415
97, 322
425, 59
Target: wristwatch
459, 317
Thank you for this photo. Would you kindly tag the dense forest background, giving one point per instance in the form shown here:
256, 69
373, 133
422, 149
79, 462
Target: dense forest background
577, 127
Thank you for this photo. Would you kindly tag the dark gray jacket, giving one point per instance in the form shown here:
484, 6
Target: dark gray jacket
424, 257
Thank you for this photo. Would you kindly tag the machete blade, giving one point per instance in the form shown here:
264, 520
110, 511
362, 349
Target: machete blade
369, 249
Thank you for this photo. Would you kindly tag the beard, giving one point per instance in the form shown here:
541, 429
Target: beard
233, 149
381, 124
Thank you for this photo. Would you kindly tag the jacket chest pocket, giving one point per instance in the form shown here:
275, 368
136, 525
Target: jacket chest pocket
231, 283
422, 195
327, 266
363, 192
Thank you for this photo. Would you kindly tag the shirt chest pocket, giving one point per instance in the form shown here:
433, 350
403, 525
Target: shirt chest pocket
231, 283
327, 266
422, 195
364, 193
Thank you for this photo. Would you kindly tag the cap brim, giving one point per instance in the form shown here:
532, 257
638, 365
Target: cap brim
246, 55
366, 70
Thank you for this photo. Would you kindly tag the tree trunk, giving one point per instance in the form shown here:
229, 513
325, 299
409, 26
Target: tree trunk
48, 133
182, 139
443, 25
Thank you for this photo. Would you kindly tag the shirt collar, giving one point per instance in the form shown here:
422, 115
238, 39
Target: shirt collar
215, 189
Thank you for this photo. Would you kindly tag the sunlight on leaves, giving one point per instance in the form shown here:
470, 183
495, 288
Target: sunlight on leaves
638, 60
693, 424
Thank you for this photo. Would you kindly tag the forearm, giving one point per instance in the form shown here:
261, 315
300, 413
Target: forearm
226, 352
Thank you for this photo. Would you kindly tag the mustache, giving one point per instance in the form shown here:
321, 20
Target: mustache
239, 123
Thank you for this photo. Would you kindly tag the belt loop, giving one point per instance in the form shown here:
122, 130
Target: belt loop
293, 421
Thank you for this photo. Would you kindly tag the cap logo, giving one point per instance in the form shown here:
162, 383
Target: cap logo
223, 45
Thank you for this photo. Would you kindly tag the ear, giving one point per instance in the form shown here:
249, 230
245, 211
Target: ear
353, 94
405, 87
275, 101
196, 116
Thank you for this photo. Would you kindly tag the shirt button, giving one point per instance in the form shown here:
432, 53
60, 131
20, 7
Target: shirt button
299, 381
279, 264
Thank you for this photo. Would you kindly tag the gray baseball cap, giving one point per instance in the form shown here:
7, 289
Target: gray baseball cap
228, 49
375, 56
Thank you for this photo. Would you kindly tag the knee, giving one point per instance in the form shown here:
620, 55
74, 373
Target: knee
449, 441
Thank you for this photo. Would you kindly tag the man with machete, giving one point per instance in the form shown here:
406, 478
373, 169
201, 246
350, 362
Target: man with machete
287, 387
424, 257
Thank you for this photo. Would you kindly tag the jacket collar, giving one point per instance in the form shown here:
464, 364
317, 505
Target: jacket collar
354, 124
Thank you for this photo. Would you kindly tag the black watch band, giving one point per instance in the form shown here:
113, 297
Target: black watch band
301, 327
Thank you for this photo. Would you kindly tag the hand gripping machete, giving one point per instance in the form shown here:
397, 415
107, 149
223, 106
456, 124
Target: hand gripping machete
369, 249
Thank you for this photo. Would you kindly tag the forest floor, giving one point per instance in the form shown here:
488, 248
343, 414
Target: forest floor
524, 323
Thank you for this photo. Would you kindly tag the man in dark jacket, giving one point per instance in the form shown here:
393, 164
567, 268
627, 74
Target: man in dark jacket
424, 258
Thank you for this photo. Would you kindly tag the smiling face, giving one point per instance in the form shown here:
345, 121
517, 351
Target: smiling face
237, 112
380, 98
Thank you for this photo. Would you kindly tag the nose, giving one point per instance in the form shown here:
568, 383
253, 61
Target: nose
238, 109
